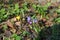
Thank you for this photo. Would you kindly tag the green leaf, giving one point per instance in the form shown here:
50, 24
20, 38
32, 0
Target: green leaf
24, 32
57, 20
58, 10
21, 10
33, 17
47, 5
5, 16
18, 38
2, 11
6, 38
25, 8
16, 6
35, 29
34, 6
5, 27
14, 35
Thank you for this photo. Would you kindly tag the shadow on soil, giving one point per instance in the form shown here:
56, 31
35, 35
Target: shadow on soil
50, 33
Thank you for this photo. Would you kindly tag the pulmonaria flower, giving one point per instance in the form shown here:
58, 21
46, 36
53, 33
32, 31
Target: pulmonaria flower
35, 20
30, 22
28, 19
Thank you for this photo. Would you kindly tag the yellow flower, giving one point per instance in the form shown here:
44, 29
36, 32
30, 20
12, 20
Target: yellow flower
18, 17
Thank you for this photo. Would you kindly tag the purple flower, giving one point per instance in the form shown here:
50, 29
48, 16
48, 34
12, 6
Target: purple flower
28, 19
35, 20
30, 22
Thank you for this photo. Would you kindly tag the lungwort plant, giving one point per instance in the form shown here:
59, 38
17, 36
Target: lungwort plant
3, 14
10, 11
41, 9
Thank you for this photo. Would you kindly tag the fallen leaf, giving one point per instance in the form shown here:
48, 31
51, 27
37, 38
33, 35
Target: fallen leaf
55, 15
17, 23
7, 33
13, 30
9, 24
14, 19
49, 23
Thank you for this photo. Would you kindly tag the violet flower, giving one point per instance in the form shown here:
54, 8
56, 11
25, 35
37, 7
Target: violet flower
35, 20
30, 22
28, 19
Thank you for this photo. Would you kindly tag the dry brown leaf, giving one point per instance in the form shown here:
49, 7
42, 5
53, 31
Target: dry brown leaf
38, 17
43, 3
55, 4
49, 23
55, 15
13, 19
44, 19
30, 1
13, 30
9, 24
7, 33
17, 23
